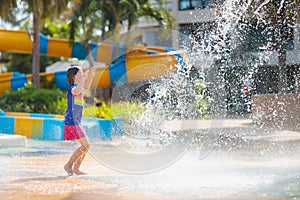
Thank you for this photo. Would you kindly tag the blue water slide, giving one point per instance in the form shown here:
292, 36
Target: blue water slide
117, 71
61, 79
43, 44
79, 51
18, 81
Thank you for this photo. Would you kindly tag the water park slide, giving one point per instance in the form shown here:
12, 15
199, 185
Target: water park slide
19, 42
138, 63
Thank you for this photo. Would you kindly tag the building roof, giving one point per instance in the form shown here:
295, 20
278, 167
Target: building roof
63, 65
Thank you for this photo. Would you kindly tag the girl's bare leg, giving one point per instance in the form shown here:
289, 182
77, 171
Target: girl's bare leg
78, 155
78, 163
85, 143
68, 169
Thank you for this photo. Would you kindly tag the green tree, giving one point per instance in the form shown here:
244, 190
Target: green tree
89, 14
58, 28
116, 12
83, 21
7, 10
19, 62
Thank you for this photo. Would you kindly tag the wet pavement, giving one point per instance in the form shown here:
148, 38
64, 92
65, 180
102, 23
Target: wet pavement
256, 164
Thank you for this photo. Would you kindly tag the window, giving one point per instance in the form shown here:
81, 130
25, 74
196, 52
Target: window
194, 4
201, 35
185, 5
166, 4
262, 37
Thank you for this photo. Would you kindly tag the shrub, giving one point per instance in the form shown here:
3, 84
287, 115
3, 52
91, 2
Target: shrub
30, 99
128, 110
125, 110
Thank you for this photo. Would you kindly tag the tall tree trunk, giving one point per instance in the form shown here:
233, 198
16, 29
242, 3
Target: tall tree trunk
117, 33
36, 46
103, 30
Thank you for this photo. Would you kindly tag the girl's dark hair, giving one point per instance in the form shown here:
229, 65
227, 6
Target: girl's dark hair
71, 72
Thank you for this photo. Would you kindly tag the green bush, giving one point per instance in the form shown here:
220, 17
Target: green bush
125, 110
128, 110
30, 99
202, 106
89, 111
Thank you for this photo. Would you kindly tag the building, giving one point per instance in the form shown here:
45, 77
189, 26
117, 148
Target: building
198, 18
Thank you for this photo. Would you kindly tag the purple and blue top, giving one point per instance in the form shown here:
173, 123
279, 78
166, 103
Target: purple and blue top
73, 114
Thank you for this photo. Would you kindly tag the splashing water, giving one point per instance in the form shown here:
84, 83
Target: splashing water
173, 97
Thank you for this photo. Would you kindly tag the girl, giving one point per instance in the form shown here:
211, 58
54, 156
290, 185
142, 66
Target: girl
78, 85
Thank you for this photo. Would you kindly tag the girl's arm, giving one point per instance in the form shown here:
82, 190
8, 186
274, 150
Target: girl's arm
89, 81
79, 88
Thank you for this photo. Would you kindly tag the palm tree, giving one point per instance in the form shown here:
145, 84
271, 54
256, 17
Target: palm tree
115, 12
40, 9
165, 19
84, 19
7, 9
90, 14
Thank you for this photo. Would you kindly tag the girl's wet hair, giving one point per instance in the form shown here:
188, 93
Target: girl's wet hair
71, 72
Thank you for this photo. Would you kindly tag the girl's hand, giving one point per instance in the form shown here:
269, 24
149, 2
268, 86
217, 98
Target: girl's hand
93, 70
86, 73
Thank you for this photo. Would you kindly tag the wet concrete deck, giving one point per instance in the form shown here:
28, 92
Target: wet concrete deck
263, 166
7, 140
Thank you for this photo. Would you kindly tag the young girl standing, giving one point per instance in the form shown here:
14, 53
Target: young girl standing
79, 83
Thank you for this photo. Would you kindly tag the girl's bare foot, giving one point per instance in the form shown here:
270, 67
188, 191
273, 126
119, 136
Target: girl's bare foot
68, 170
78, 172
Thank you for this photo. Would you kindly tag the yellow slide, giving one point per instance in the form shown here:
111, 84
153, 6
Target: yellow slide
138, 63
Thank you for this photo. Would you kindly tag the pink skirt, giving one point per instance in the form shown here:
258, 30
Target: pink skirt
73, 132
